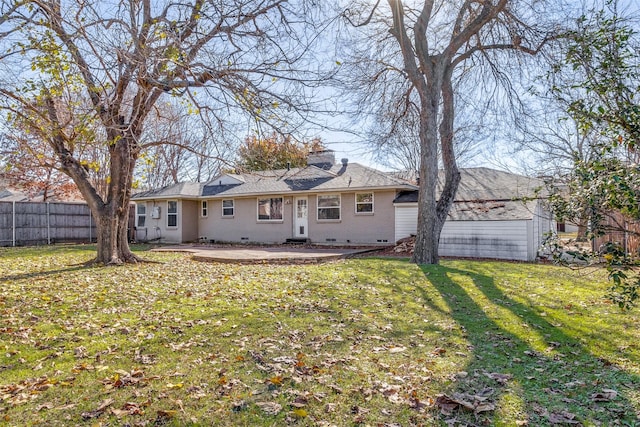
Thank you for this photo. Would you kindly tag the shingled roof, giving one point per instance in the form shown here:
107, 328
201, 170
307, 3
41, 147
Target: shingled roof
182, 189
488, 194
340, 177
483, 184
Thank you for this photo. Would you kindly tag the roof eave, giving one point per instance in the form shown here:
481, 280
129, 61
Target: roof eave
313, 191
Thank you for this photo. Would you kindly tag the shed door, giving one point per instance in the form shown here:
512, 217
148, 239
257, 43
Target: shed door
406, 220
301, 223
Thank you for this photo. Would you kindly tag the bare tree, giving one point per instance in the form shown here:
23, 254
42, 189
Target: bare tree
179, 147
422, 50
227, 57
399, 148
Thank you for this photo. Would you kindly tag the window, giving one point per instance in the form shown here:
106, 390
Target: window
364, 203
172, 213
270, 209
141, 212
329, 207
204, 211
227, 208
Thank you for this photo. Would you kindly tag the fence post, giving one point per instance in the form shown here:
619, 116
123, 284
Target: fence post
48, 225
13, 214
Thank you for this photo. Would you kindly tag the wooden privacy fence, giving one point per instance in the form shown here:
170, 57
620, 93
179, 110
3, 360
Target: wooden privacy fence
38, 223
621, 231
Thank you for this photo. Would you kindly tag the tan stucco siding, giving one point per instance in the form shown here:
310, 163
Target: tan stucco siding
352, 227
244, 225
156, 229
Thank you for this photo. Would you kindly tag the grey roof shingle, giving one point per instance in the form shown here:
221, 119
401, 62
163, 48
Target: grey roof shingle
182, 189
485, 184
492, 210
488, 194
311, 178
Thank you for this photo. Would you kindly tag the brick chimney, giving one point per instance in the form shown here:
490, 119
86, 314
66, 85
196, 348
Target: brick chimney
324, 159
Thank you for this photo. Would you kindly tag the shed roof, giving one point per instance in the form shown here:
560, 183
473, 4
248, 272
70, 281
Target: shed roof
489, 195
483, 184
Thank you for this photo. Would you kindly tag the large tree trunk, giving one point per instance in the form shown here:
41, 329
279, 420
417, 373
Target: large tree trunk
112, 243
433, 208
110, 211
428, 232
113, 216
449, 164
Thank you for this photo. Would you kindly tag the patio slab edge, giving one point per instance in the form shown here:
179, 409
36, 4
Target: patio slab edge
267, 254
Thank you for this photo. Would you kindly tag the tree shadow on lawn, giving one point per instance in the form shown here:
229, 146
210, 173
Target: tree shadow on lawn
531, 369
42, 274
60, 250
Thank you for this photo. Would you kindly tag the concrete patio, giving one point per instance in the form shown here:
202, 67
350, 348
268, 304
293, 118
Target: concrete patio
267, 254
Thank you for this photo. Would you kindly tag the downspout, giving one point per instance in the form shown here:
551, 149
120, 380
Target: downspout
90, 226
13, 215
48, 224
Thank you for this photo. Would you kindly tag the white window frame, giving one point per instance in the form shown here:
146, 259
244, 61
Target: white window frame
142, 215
172, 214
281, 219
204, 208
232, 207
338, 207
357, 203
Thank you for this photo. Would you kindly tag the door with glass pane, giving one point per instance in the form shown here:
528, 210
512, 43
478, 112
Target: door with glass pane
301, 223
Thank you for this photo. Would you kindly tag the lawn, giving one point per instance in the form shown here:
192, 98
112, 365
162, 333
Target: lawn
378, 342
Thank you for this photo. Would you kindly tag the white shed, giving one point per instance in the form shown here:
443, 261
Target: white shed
486, 220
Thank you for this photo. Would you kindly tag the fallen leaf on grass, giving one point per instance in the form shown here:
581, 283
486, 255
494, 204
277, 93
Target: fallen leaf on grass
171, 386
606, 395
44, 406
168, 414
475, 403
500, 378
563, 417
98, 411
123, 378
300, 413
438, 351
275, 380
417, 404
270, 408
25, 390
300, 402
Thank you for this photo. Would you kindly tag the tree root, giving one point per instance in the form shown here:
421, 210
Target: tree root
115, 261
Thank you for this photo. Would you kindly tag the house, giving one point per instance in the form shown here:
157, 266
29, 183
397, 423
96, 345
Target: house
344, 203
324, 202
12, 195
495, 214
